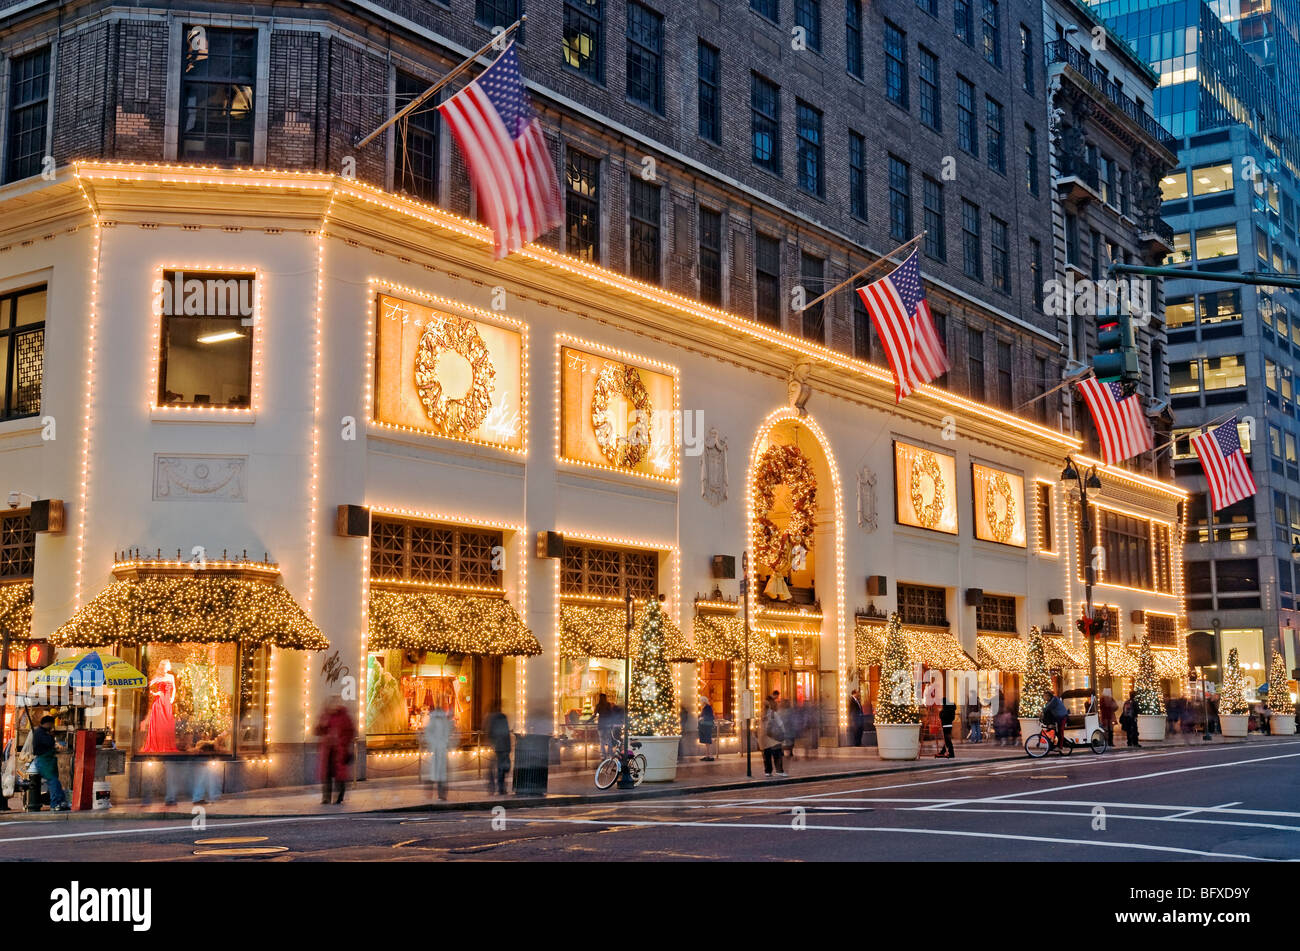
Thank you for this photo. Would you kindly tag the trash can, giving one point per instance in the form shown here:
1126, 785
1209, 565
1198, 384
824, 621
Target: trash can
102, 798
532, 763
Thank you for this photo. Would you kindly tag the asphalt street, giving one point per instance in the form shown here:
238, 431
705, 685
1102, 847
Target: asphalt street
1228, 803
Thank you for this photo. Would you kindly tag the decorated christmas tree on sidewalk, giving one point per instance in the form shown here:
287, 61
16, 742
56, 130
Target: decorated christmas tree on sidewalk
897, 701
1146, 688
652, 702
1232, 695
1036, 679
1279, 694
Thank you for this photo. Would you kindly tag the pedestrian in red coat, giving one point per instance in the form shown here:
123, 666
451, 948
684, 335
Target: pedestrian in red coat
337, 733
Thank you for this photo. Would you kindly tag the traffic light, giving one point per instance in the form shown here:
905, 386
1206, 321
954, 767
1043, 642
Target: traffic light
30, 655
1117, 357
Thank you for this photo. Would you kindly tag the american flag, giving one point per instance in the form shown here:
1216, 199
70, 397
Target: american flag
1120, 422
1225, 464
905, 327
505, 151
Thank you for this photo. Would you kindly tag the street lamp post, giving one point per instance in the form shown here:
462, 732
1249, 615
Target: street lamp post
625, 780
1089, 573
746, 698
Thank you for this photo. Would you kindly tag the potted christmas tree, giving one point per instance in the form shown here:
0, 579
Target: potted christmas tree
1280, 705
1150, 705
898, 721
1035, 681
1234, 711
653, 719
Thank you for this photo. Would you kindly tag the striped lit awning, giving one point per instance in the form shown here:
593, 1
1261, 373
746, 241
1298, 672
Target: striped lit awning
722, 637
16, 610
1169, 664
448, 624
937, 650
597, 630
203, 610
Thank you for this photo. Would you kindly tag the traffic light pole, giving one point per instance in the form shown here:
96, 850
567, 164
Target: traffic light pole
1223, 277
4, 703
1089, 573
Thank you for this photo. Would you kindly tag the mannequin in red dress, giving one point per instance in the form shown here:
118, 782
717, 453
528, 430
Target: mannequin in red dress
160, 725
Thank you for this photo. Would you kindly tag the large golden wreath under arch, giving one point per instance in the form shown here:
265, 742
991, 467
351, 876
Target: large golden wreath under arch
783, 465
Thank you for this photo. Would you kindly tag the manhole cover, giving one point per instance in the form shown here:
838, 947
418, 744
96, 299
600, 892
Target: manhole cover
231, 840
251, 850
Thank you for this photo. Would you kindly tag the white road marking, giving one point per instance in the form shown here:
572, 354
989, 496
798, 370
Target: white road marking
179, 828
1113, 815
1205, 809
1139, 846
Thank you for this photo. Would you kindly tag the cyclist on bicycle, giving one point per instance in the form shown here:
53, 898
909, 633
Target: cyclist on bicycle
1054, 714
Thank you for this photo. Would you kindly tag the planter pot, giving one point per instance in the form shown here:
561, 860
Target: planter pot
898, 740
1029, 726
1234, 724
1281, 724
660, 754
1151, 727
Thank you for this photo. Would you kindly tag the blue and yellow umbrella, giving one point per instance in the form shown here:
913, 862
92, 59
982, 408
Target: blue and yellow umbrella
92, 670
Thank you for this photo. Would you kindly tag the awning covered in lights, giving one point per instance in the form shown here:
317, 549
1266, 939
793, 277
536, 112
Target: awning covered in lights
722, 637
16, 610
1116, 661
175, 609
936, 649
1011, 653
448, 624
1169, 664
597, 630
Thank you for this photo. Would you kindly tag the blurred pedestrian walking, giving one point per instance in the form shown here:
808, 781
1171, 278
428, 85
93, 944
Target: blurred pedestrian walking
337, 732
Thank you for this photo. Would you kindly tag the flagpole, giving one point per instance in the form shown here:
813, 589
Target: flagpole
875, 263
415, 103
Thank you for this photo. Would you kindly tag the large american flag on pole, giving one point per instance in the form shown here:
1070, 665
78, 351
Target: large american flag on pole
505, 151
905, 326
1120, 421
1225, 464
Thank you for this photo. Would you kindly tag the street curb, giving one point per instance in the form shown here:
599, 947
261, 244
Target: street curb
576, 799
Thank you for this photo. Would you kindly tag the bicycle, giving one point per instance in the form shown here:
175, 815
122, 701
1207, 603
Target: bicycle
611, 767
1045, 740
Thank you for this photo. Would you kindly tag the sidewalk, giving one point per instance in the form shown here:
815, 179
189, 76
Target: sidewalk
575, 786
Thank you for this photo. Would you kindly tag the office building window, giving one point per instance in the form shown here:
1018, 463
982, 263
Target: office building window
1072, 239
218, 76
416, 144
999, 255
767, 279
645, 57
975, 361
941, 331
895, 65
1006, 397
936, 240
1031, 160
929, 6
765, 122
972, 251
1209, 179
1026, 59
931, 110
582, 205
857, 175
17, 546
809, 148
1043, 506
963, 21
711, 257
29, 92
1043, 384
808, 17
812, 274
22, 337
584, 37
994, 127
853, 37
861, 329
1036, 270
967, 130
497, 12
643, 247
992, 33
709, 93
767, 8
900, 199
921, 604
996, 613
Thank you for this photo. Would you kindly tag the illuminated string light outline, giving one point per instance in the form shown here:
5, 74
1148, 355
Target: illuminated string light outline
379, 285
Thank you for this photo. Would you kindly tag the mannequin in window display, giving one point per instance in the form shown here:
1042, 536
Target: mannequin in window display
159, 727
385, 704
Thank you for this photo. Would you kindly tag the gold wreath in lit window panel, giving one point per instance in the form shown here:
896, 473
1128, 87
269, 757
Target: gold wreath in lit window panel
623, 451
1000, 528
459, 416
925, 465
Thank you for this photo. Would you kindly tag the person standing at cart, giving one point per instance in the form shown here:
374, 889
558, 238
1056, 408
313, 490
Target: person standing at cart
44, 746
